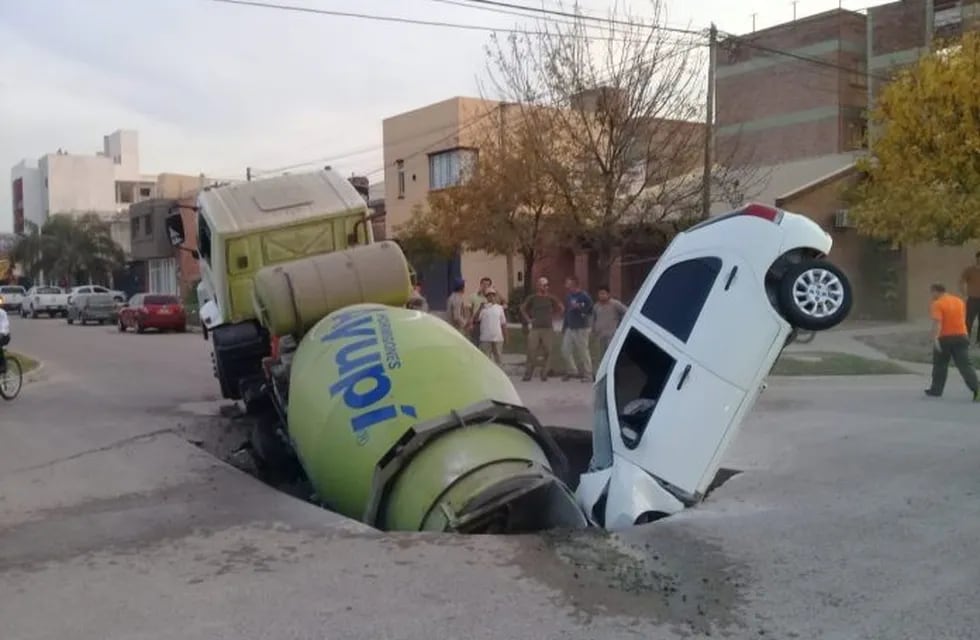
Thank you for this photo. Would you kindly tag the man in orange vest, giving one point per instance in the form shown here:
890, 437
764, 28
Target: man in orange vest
951, 342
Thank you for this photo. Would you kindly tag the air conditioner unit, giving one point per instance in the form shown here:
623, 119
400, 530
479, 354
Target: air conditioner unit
842, 219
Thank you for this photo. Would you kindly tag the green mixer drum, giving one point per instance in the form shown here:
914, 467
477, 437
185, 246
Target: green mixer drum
364, 376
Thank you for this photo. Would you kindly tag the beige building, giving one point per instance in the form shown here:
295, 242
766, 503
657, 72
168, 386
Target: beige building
889, 283
431, 148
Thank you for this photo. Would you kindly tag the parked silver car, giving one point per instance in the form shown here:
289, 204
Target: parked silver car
91, 307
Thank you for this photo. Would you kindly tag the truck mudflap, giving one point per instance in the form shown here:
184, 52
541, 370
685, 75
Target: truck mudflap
516, 496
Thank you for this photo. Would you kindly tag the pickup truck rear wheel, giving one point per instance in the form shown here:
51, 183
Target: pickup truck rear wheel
815, 295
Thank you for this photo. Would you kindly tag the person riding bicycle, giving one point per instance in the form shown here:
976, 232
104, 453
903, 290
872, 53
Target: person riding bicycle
4, 338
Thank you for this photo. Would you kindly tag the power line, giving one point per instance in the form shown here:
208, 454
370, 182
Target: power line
382, 18
742, 40
360, 151
582, 16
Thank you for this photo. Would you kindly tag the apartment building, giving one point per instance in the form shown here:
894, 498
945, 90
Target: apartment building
156, 266
428, 149
105, 182
776, 107
802, 89
434, 147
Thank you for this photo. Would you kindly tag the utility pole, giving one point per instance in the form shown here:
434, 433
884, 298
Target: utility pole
248, 173
753, 21
509, 258
709, 121
795, 2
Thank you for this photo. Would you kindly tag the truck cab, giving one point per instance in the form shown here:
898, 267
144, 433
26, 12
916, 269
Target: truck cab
246, 226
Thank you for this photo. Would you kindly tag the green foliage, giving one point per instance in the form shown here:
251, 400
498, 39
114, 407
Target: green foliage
71, 248
923, 182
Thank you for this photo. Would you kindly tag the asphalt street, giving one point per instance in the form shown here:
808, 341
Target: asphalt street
856, 515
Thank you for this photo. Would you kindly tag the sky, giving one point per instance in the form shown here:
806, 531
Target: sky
215, 88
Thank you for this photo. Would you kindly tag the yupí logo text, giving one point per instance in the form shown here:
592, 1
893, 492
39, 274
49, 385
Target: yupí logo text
363, 363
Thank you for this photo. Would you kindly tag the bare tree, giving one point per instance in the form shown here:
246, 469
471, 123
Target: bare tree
627, 96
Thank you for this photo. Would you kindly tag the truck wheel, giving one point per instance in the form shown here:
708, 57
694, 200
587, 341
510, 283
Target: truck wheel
238, 350
815, 295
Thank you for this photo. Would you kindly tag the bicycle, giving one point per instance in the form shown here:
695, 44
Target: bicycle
12, 379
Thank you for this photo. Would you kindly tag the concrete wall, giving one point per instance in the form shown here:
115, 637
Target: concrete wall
77, 184
776, 107
148, 229
930, 263
122, 148
176, 185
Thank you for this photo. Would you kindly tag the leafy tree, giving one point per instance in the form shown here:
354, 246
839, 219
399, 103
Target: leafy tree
618, 106
28, 252
507, 204
923, 180
69, 248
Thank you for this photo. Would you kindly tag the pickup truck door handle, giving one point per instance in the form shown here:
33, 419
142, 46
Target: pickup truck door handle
680, 383
731, 277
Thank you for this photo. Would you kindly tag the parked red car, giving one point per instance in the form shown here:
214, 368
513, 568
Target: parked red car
153, 311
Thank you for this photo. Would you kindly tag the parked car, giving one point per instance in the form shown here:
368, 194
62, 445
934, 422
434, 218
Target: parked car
153, 311
692, 354
91, 307
12, 297
118, 296
52, 301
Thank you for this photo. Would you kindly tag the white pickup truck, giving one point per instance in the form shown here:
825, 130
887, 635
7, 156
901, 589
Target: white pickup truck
51, 301
11, 297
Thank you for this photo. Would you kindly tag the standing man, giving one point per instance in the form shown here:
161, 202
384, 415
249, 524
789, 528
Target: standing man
477, 300
575, 331
539, 311
457, 311
951, 342
606, 316
970, 287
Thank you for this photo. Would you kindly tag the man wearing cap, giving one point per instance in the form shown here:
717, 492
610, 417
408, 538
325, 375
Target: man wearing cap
457, 309
539, 311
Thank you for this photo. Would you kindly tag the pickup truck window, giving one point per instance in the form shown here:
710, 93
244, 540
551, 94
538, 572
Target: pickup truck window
47, 291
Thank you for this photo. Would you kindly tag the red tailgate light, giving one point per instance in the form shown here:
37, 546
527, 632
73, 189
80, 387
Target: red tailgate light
772, 214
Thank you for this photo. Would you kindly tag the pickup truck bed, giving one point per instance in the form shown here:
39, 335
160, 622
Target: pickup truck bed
49, 301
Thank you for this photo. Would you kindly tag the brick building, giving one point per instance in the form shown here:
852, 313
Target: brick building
801, 89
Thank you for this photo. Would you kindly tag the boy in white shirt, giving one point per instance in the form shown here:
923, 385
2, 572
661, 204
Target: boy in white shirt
493, 327
4, 338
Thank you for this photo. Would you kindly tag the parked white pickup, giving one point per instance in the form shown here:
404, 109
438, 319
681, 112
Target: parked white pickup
51, 301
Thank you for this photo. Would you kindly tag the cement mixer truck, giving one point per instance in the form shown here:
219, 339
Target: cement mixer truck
398, 421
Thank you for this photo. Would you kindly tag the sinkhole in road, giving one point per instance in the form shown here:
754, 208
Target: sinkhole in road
231, 439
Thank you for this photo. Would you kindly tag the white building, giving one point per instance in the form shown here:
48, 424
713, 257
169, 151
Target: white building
106, 182
25, 179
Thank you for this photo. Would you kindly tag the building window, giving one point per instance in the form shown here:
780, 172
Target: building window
400, 164
450, 168
135, 225
162, 276
144, 192
148, 225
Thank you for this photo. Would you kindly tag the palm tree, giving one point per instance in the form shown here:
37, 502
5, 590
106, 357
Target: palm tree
73, 249
79, 249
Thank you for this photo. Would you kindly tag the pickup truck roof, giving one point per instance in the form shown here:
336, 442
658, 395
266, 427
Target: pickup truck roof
279, 202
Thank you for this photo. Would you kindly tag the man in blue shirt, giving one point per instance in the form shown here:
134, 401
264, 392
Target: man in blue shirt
575, 331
